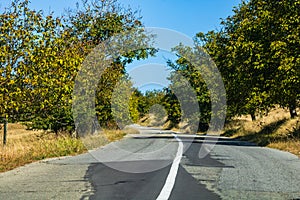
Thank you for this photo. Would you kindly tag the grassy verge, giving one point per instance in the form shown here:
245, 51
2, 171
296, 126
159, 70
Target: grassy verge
24, 146
276, 130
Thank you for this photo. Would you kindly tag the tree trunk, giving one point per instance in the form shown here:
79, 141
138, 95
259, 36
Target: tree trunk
5, 131
293, 111
253, 117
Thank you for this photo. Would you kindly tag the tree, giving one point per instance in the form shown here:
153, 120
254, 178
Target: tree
172, 106
42, 55
256, 52
282, 20
93, 27
199, 88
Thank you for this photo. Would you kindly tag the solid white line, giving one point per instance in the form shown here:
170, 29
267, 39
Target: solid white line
170, 181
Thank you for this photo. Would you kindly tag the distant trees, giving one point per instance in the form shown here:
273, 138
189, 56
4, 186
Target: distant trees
172, 106
184, 67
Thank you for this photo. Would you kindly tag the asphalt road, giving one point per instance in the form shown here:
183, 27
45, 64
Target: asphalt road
160, 165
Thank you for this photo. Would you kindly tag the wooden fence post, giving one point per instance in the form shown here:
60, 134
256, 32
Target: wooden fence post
5, 131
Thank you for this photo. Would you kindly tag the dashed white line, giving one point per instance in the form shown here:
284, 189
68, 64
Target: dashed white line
170, 181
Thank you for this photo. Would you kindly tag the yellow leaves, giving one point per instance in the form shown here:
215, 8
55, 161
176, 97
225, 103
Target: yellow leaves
12, 82
26, 80
278, 45
61, 61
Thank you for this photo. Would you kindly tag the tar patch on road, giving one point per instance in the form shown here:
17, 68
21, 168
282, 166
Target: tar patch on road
192, 154
186, 187
112, 184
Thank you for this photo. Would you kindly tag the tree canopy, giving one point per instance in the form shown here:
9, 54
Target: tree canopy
257, 52
42, 54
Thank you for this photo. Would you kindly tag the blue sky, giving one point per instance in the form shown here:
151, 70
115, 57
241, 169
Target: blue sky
185, 16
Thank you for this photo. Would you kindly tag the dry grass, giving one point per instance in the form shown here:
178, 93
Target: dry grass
154, 121
275, 130
25, 146
292, 146
105, 137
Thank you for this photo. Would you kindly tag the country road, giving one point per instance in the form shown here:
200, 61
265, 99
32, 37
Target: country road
160, 165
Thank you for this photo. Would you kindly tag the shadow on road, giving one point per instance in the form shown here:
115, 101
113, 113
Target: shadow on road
202, 139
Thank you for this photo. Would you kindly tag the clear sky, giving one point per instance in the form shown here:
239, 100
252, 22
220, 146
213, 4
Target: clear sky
185, 16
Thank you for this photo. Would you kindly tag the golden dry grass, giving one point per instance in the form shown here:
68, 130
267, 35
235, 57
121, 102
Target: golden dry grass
292, 146
26, 146
154, 121
275, 130
105, 137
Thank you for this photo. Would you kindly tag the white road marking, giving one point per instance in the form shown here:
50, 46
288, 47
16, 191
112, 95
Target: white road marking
170, 181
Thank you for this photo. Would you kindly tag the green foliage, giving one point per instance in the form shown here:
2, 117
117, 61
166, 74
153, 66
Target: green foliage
38, 68
41, 56
257, 52
185, 68
134, 106
142, 103
124, 104
172, 106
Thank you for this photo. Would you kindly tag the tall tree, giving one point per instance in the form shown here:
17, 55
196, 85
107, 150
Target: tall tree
256, 51
42, 55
